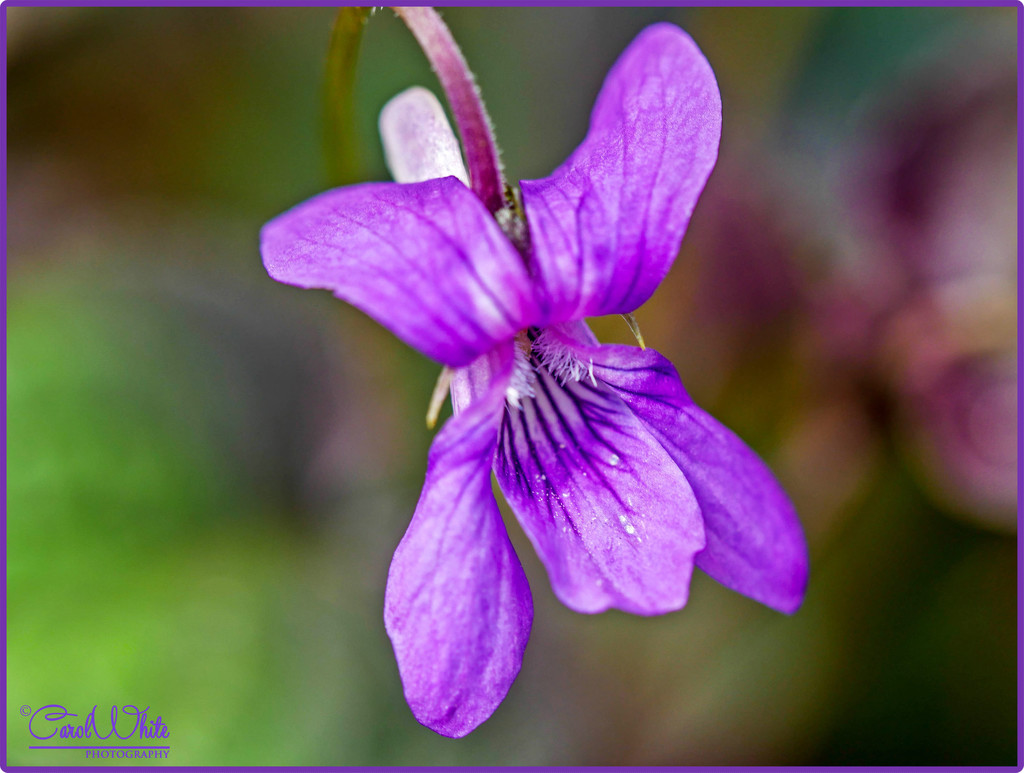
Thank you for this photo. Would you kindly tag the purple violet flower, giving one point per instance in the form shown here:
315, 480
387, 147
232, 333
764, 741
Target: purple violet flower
619, 480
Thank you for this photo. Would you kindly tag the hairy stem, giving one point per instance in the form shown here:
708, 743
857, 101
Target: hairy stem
471, 118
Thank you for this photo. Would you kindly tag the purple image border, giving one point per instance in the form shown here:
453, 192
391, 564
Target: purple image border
1019, 4
571, 4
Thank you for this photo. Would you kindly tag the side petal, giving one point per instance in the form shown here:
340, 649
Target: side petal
609, 513
426, 260
755, 544
457, 606
607, 224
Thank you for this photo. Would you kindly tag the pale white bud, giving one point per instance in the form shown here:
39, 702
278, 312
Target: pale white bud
419, 143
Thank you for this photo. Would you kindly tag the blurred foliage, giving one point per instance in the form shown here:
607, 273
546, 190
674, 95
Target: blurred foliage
207, 472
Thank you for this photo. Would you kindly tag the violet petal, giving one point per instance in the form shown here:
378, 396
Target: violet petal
607, 224
755, 544
458, 606
611, 516
424, 259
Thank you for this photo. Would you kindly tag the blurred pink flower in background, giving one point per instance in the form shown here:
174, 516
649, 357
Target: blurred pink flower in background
933, 307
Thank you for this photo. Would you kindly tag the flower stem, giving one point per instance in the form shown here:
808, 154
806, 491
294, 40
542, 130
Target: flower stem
340, 143
471, 118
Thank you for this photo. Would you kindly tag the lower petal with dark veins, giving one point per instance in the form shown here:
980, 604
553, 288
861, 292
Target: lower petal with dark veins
611, 516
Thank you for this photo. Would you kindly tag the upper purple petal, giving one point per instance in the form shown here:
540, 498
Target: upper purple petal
611, 516
755, 544
426, 260
607, 224
458, 607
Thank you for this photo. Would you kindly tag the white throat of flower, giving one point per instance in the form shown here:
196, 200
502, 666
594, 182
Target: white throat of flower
560, 360
523, 378
543, 350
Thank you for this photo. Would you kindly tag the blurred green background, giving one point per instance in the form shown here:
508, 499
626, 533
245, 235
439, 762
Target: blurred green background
207, 472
